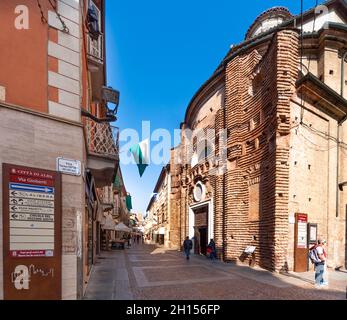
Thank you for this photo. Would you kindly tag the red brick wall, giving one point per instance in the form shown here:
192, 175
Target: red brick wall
258, 87
261, 163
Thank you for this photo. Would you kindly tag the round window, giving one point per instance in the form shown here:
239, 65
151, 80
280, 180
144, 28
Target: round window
198, 192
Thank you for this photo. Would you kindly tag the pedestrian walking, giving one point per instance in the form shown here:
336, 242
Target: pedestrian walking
211, 250
187, 246
317, 255
129, 240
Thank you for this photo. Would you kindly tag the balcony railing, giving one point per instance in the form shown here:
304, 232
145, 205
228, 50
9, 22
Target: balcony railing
102, 139
96, 49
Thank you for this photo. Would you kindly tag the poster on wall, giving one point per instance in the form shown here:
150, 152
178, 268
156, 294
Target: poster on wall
302, 231
32, 233
313, 233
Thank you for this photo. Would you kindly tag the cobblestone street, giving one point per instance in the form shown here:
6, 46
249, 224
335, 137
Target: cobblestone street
148, 273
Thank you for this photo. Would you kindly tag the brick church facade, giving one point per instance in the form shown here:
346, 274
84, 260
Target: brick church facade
278, 102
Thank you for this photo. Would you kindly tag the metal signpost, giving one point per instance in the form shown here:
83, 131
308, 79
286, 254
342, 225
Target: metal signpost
32, 233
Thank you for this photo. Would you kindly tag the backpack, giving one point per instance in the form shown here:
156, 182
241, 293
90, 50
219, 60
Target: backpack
313, 255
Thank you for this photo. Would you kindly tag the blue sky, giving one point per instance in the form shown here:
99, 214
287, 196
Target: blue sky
158, 55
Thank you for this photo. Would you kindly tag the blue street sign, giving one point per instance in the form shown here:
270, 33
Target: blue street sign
31, 188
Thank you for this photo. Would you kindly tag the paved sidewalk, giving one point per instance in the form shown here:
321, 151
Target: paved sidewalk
146, 272
109, 279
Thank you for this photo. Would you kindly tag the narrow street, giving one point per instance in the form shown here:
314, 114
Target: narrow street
146, 272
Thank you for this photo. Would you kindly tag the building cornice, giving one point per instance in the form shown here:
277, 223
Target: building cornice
39, 114
322, 96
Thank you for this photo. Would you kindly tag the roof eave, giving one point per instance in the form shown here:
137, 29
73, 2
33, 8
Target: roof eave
323, 96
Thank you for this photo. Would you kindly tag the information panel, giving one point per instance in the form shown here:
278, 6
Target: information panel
32, 233
302, 231
301, 246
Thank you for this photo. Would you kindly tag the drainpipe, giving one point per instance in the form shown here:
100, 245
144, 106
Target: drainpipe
338, 132
224, 189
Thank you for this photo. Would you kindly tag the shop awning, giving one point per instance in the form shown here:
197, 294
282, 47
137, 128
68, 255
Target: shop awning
122, 227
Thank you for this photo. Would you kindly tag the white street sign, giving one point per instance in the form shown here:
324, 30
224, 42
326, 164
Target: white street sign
32, 217
31, 225
31, 202
70, 167
28, 209
31, 195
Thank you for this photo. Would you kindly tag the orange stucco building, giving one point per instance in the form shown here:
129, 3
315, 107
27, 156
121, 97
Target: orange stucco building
53, 105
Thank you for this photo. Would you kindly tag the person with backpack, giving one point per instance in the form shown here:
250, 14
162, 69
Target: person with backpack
211, 250
317, 255
187, 246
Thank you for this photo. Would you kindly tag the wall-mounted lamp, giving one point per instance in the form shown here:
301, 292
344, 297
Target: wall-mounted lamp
109, 95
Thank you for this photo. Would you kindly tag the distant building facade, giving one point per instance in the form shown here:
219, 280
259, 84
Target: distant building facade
160, 217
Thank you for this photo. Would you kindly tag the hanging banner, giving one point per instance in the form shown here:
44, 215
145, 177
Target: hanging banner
32, 233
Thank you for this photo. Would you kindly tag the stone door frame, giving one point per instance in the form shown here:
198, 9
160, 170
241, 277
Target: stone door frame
191, 216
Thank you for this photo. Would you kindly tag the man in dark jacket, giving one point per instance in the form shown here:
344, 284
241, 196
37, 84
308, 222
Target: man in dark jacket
212, 249
187, 246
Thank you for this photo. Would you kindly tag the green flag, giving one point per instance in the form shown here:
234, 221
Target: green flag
141, 155
129, 202
118, 184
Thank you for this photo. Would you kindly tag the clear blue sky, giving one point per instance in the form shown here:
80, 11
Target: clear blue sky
158, 55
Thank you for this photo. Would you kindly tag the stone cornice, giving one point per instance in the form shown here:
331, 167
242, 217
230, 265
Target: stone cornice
38, 114
322, 96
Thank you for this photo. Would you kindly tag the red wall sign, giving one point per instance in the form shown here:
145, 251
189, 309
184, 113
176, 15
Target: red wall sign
32, 233
301, 217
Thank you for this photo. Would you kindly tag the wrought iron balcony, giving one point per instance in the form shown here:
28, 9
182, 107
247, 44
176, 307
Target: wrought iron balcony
102, 139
